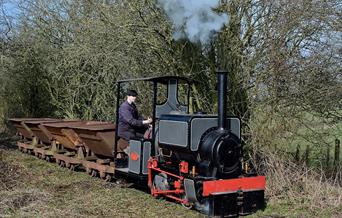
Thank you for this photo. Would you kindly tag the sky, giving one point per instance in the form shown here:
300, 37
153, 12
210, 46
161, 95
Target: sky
11, 8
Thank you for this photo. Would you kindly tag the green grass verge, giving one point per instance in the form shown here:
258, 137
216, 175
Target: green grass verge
45, 190
41, 189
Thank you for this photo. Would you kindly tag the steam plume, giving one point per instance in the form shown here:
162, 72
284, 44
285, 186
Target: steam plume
194, 19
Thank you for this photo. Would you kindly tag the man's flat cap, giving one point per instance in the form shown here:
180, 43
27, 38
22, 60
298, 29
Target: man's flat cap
132, 93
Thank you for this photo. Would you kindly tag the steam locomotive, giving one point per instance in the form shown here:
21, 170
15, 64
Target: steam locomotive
196, 159
193, 159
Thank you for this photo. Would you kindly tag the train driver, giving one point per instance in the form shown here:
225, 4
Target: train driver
131, 124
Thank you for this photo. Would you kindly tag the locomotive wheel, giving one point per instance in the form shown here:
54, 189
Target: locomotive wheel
187, 206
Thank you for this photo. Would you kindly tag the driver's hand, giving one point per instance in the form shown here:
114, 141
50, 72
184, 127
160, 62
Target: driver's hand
148, 121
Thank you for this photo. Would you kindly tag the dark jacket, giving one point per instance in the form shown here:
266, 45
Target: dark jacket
129, 121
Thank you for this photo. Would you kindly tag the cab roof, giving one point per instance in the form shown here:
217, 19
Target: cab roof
159, 79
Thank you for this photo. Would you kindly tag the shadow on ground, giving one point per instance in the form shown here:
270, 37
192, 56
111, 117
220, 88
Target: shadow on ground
7, 142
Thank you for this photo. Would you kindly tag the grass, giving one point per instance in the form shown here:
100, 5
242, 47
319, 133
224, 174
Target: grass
284, 209
286, 133
35, 188
44, 190
319, 137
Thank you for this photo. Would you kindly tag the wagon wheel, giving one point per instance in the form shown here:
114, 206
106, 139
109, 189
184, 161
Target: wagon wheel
72, 167
62, 164
48, 159
102, 175
108, 177
88, 170
93, 173
67, 164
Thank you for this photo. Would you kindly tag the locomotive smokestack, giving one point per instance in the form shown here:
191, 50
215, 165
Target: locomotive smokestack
222, 99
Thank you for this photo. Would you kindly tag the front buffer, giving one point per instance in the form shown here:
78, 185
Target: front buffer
232, 197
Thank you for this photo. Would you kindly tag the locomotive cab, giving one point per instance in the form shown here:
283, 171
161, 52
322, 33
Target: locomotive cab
168, 87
